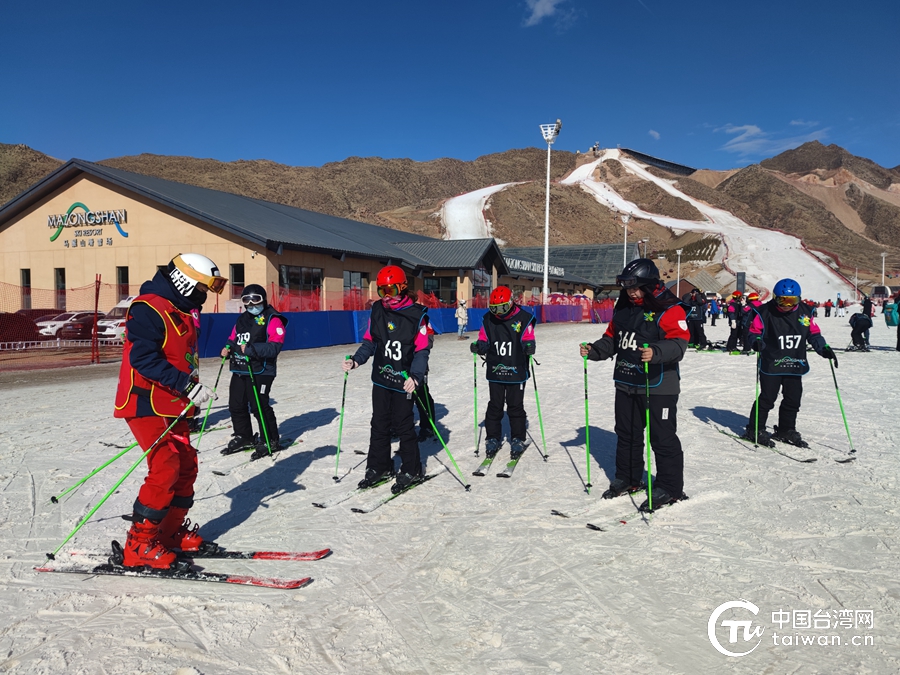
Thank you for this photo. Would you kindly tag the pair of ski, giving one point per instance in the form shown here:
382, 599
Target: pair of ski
185, 571
507, 472
378, 502
810, 460
606, 525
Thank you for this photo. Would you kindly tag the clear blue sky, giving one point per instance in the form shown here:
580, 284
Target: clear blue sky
709, 83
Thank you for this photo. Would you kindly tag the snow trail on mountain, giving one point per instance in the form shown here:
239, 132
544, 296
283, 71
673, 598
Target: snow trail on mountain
462, 217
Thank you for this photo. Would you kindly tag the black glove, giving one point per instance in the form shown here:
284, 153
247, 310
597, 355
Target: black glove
479, 347
529, 347
828, 353
757, 345
473, 347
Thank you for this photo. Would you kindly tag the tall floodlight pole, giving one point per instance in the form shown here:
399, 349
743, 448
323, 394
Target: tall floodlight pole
549, 132
625, 220
678, 283
883, 256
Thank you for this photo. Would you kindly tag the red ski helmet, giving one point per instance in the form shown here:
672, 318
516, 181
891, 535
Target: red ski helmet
736, 294
753, 296
391, 281
500, 301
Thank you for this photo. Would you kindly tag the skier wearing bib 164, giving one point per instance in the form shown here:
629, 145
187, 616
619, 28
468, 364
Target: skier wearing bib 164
645, 314
779, 333
507, 340
254, 345
158, 379
400, 339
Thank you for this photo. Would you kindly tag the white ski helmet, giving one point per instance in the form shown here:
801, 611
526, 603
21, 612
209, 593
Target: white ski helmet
186, 270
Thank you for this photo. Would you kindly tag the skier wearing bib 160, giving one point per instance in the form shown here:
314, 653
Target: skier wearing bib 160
507, 340
779, 333
400, 339
158, 379
645, 314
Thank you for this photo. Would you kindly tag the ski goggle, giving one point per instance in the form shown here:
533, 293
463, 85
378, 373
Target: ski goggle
787, 301
213, 282
626, 282
390, 290
252, 299
501, 308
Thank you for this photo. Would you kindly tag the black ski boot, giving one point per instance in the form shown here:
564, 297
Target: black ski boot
789, 436
374, 478
492, 446
262, 450
404, 481
517, 448
660, 498
763, 438
238, 443
618, 487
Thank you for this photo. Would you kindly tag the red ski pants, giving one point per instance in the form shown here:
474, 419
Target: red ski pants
171, 466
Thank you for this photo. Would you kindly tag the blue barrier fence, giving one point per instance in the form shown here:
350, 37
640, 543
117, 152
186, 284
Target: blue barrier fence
307, 330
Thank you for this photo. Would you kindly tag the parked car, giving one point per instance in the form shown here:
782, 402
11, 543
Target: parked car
50, 328
112, 326
79, 329
45, 314
17, 328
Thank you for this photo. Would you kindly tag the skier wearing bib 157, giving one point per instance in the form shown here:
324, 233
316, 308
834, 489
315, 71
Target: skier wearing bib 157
158, 379
400, 339
646, 314
254, 345
779, 333
507, 340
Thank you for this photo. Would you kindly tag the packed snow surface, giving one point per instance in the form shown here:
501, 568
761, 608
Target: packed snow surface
766, 256
441, 580
463, 216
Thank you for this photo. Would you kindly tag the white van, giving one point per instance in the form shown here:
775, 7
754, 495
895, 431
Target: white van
112, 326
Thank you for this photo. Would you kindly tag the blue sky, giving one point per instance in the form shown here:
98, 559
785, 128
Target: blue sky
712, 84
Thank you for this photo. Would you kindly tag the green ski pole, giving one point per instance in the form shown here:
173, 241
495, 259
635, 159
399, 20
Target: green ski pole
52, 556
838, 392
440, 438
647, 434
262, 419
756, 405
337, 459
93, 473
209, 407
537, 400
587, 426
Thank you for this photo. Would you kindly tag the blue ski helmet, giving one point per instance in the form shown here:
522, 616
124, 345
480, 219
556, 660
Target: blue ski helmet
787, 287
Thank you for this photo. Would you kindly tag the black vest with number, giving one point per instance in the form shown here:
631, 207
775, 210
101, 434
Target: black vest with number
253, 329
784, 338
634, 328
506, 359
394, 334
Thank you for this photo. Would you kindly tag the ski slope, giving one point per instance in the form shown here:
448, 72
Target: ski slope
765, 256
441, 580
462, 217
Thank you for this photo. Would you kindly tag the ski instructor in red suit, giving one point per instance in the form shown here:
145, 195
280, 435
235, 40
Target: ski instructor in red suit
157, 381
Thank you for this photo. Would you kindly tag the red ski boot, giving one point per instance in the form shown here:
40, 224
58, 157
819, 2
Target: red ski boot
175, 531
143, 548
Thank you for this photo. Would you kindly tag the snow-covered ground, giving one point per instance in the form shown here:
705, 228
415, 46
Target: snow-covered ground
765, 256
442, 580
462, 217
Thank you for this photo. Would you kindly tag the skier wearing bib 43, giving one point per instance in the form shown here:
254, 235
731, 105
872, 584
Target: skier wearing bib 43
400, 340
645, 314
507, 340
779, 333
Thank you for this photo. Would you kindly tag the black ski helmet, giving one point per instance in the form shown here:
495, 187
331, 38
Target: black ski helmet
251, 291
639, 272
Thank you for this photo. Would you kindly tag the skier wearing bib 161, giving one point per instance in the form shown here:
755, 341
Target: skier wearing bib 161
254, 345
507, 340
645, 314
779, 334
400, 339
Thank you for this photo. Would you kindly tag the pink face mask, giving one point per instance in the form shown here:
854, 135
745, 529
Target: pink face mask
393, 302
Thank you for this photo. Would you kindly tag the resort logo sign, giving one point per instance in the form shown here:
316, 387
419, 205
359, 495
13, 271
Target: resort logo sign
80, 215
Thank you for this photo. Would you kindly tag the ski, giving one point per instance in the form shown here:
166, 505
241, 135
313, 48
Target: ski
347, 495
511, 465
744, 441
629, 517
221, 553
485, 466
180, 574
368, 508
